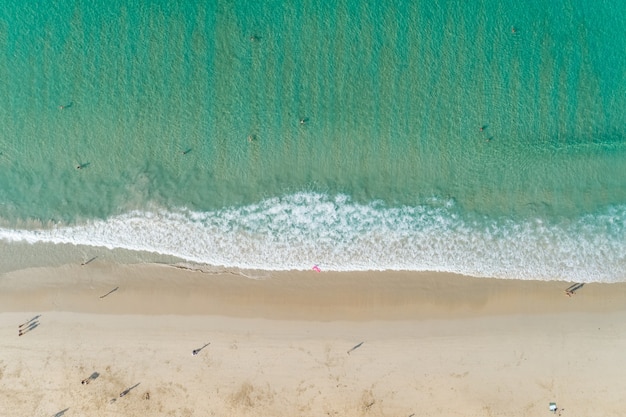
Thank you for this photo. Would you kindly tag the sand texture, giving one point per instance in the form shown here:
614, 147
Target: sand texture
305, 344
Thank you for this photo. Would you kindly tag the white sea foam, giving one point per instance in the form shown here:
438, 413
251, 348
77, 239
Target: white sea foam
306, 229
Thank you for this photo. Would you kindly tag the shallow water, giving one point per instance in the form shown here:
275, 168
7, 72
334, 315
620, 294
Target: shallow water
483, 138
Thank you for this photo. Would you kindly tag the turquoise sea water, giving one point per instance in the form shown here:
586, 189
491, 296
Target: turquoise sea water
481, 137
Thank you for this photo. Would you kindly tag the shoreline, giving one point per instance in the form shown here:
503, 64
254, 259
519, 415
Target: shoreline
157, 289
305, 343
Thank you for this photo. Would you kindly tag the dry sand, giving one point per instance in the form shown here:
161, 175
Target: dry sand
432, 344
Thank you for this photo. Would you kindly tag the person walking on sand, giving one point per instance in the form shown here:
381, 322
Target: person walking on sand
196, 351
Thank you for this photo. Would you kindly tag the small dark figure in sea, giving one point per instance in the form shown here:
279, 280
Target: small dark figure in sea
254, 38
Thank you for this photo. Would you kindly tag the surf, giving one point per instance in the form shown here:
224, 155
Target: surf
297, 231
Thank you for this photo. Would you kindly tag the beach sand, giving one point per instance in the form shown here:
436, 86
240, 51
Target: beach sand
425, 344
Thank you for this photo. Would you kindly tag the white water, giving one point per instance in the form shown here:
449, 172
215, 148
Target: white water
306, 229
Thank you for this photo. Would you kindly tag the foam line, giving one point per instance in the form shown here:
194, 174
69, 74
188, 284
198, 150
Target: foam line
305, 229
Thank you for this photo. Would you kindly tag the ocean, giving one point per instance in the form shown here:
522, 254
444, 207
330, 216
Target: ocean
486, 138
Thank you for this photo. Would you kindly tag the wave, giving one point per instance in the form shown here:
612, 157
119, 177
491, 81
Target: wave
300, 230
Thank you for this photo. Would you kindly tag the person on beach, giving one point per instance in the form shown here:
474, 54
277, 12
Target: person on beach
28, 326
85, 381
571, 290
196, 351
28, 323
25, 330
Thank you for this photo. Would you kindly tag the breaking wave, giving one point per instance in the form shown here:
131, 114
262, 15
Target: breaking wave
300, 230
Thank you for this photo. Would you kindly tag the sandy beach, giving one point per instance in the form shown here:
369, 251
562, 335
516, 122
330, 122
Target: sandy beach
305, 344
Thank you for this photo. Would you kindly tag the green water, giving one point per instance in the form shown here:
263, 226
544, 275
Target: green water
431, 128
395, 94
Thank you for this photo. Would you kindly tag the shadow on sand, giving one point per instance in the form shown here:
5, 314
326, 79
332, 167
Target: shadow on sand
196, 351
90, 378
110, 292
571, 290
127, 390
355, 347
60, 413
89, 261
28, 326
